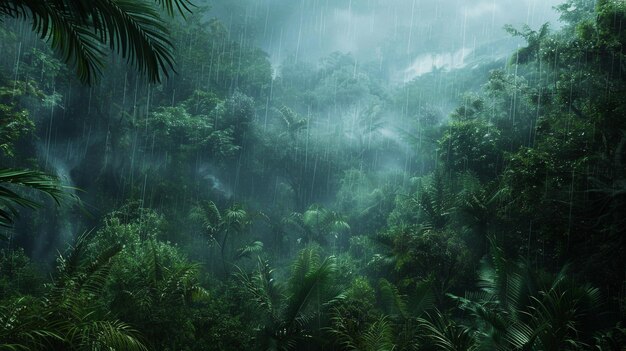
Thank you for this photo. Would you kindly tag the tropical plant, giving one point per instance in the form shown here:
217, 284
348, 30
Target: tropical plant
79, 30
471, 144
15, 120
288, 311
69, 316
152, 284
377, 337
477, 205
183, 134
430, 204
248, 250
440, 332
317, 224
417, 253
11, 198
216, 223
158, 293
357, 325
519, 308
418, 300
293, 123
534, 39
18, 274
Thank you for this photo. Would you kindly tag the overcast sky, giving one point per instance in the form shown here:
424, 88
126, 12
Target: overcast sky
414, 30
344, 25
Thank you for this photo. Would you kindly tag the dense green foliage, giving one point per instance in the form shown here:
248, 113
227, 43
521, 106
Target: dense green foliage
241, 206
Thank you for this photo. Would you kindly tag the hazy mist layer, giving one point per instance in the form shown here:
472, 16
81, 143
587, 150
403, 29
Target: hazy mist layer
411, 35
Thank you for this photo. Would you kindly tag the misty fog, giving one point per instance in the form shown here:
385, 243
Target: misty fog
411, 36
372, 175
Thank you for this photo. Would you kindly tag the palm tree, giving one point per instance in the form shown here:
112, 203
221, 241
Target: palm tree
233, 220
82, 30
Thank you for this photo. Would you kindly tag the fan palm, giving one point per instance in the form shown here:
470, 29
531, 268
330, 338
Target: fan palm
81, 30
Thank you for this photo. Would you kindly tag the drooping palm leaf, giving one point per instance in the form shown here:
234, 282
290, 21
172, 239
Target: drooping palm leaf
522, 309
80, 30
11, 196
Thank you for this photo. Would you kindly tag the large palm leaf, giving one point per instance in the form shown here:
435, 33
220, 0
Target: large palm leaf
81, 30
12, 183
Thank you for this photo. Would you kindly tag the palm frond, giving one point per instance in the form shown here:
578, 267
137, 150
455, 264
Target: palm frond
309, 278
263, 288
393, 303
183, 6
80, 30
11, 180
288, 310
21, 331
112, 335
379, 336
248, 250
66, 317
207, 214
236, 218
423, 298
444, 334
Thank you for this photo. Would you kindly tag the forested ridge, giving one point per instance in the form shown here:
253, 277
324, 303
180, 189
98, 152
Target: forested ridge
165, 185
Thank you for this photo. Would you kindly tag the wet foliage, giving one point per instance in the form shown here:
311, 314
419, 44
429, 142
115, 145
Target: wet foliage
197, 176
